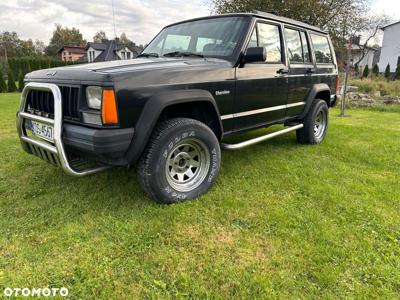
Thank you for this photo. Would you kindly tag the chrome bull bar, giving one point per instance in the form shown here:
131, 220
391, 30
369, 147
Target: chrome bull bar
51, 152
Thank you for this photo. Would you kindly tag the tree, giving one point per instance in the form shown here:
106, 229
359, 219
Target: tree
365, 72
39, 47
397, 75
124, 39
13, 46
20, 81
11, 87
3, 86
341, 18
99, 37
64, 36
387, 72
375, 70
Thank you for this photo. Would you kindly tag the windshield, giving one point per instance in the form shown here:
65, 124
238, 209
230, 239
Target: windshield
213, 37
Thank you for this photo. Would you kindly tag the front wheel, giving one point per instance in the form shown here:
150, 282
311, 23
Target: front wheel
181, 161
315, 124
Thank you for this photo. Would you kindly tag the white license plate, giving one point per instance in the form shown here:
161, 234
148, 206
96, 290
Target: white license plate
42, 130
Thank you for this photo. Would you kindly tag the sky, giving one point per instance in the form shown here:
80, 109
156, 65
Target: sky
388, 7
139, 19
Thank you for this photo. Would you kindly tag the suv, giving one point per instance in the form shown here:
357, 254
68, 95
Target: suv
168, 110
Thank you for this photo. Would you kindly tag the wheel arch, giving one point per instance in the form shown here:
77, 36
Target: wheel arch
195, 104
318, 91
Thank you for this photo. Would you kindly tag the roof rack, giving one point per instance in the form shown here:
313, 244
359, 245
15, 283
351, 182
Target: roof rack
272, 12
272, 15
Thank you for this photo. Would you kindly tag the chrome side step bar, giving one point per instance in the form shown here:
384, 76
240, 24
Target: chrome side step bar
261, 138
52, 152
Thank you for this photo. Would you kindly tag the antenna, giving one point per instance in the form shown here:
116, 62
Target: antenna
113, 12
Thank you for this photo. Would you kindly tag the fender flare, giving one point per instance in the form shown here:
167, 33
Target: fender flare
152, 111
316, 89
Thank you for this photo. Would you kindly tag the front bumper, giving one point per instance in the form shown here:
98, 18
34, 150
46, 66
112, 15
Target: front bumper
70, 139
102, 144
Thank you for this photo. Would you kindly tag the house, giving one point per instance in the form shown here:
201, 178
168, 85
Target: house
390, 53
362, 55
71, 53
109, 50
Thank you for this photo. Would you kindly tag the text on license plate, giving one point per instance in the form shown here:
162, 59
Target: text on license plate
42, 130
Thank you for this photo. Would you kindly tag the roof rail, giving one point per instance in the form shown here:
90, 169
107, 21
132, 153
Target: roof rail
274, 16
259, 12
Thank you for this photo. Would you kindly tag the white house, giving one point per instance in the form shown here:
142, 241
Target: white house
363, 55
390, 53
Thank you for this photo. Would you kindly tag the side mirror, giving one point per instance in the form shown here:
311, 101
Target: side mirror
255, 54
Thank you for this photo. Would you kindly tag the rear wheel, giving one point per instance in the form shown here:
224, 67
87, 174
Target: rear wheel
315, 124
181, 161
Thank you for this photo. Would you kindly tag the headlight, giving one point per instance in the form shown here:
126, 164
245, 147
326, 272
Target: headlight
93, 96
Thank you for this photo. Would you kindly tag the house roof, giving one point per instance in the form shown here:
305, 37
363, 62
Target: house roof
390, 25
360, 47
109, 49
73, 49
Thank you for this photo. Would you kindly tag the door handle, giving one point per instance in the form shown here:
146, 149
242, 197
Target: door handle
283, 71
310, 71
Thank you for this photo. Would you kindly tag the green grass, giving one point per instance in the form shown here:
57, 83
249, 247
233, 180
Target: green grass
282, 221
369, 86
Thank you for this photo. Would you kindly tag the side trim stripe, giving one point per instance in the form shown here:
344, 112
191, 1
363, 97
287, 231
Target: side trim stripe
260, 111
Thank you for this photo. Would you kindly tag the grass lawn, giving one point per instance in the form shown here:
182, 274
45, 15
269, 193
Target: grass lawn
283, 220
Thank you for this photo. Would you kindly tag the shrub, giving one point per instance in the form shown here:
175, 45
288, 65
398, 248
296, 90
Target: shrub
375, 70
397, 76
3, 86
11, 82
21, 81
387, 72
368, 86
365, 72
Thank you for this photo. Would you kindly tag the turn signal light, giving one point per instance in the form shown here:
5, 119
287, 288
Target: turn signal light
109, 114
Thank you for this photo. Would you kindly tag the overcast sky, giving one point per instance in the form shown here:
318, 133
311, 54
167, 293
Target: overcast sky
139, 19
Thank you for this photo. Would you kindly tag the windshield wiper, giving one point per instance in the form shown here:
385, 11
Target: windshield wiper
148, 55
182, 54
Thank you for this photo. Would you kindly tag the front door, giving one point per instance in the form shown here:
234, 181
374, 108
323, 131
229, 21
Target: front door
261, 88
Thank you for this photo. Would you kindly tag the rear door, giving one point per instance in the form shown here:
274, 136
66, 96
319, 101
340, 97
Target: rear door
261, 91
324, 55
302, 69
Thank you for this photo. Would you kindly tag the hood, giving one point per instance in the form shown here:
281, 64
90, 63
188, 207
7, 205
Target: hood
106, 71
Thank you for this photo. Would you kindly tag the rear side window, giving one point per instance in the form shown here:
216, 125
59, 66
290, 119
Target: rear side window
269, 37
323, 53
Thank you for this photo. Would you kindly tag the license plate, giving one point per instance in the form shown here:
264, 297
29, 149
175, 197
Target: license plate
42, 130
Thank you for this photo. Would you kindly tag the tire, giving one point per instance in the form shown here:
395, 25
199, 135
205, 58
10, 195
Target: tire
180, 162
315, 124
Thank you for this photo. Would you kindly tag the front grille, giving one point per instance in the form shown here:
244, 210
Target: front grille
41, 103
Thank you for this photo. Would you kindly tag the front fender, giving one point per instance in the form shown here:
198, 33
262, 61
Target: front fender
152, 111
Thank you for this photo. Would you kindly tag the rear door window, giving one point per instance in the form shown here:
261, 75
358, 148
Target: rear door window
295, 49
297, 45
323, 54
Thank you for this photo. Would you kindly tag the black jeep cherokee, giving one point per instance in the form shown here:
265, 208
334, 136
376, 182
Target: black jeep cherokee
167, 111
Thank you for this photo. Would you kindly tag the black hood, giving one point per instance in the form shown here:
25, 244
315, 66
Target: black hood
108, 71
